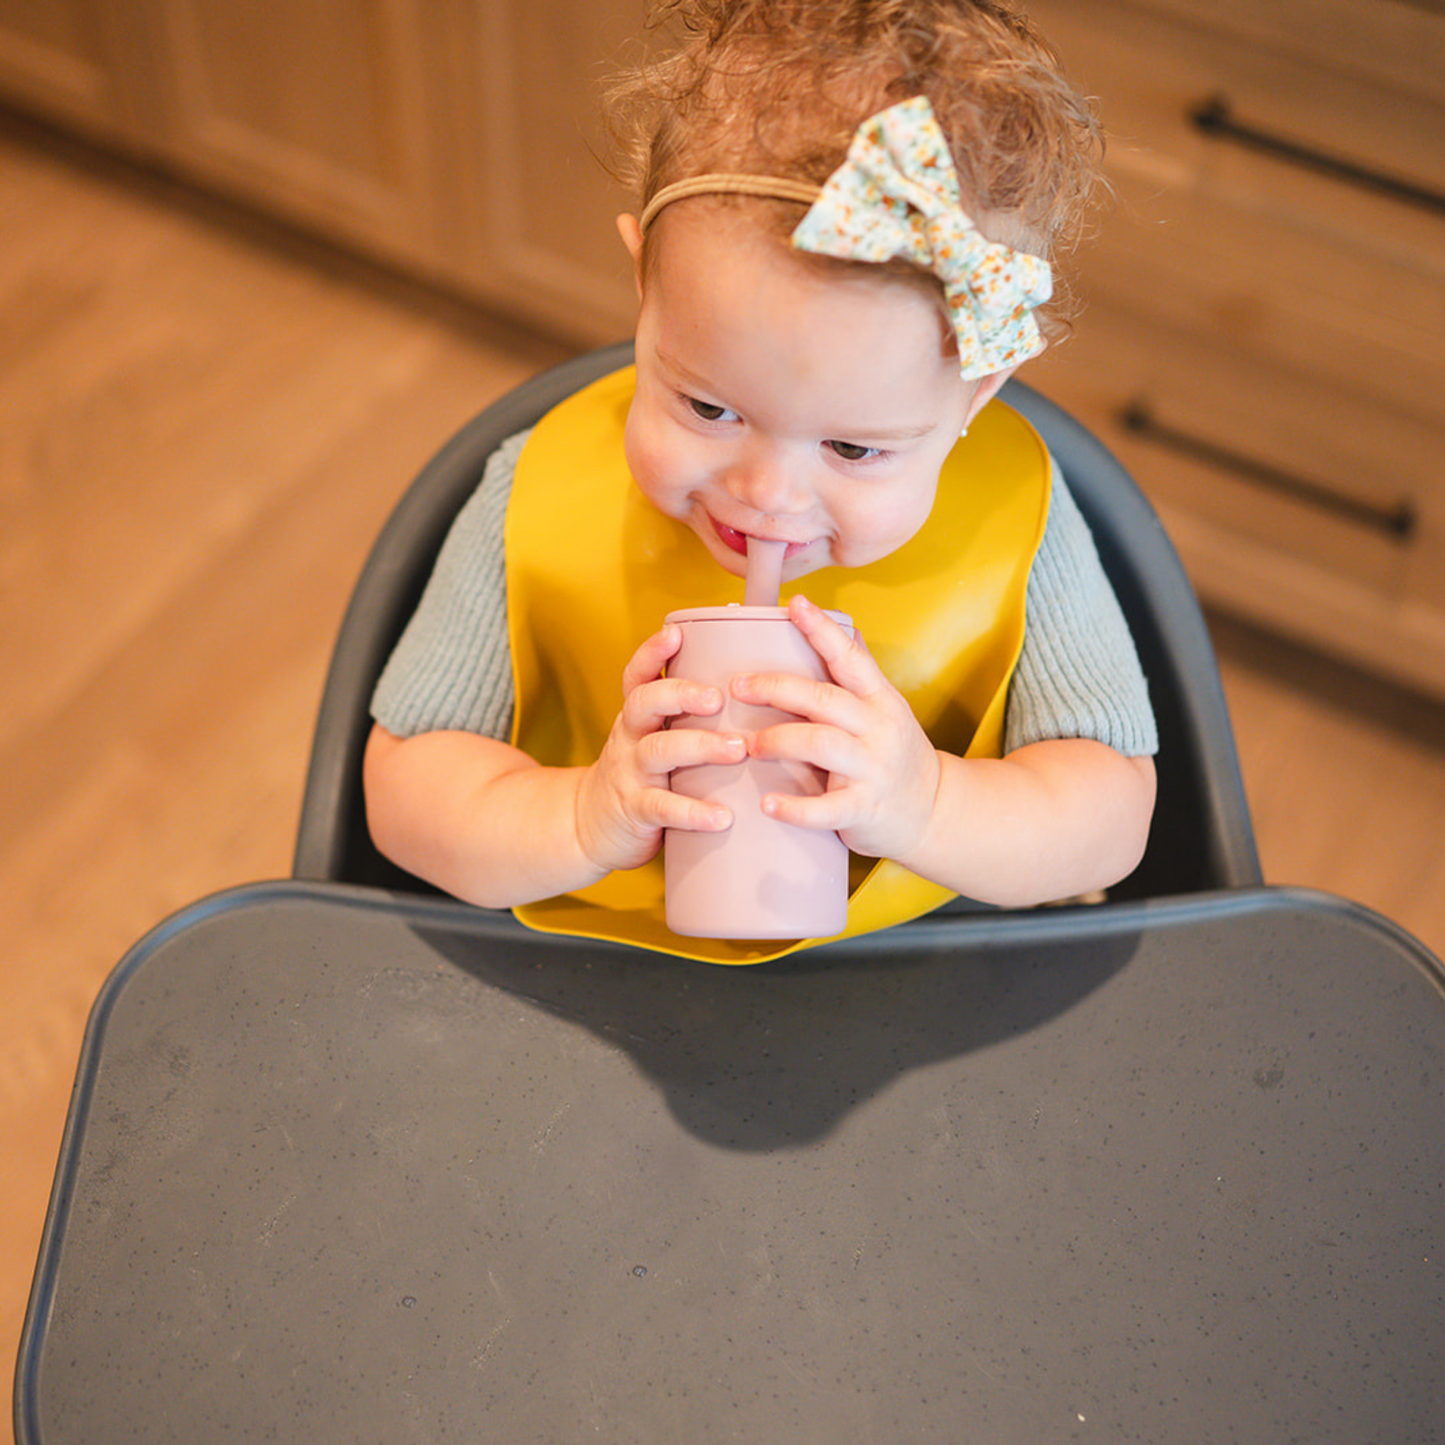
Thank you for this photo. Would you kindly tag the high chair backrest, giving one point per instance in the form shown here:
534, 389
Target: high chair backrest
1201, 839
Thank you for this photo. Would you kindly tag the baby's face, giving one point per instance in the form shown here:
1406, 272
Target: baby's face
778, 400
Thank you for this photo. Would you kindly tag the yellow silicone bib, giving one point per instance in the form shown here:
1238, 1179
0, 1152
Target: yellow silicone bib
593, 568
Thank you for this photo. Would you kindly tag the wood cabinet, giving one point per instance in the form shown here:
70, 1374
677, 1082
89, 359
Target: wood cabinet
453, 137
535, 206
70, 60
1263, 334
321, 109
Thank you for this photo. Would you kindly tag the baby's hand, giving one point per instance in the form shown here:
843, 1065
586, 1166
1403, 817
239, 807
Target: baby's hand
882, 770
623, 801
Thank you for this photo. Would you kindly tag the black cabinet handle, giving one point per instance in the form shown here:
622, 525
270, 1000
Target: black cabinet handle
1215, 117
1398, 522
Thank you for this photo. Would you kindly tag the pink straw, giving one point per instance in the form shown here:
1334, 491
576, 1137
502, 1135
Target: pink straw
765, 572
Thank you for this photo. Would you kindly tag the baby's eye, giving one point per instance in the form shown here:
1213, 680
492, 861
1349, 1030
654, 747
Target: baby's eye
710, 411
853, 452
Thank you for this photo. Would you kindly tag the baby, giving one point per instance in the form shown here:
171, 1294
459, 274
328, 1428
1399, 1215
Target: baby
847, 217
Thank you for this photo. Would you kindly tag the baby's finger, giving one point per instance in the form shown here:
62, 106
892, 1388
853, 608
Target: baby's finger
832, 812
662, 752
834, 751
646, 664
648, 707
665, 809
844, 653
821, 702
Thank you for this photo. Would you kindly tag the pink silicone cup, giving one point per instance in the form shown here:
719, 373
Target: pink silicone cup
762, 878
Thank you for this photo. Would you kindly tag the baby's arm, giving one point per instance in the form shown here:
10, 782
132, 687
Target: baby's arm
1050, 820
490, 825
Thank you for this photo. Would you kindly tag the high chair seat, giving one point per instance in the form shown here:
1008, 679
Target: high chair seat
1201, 840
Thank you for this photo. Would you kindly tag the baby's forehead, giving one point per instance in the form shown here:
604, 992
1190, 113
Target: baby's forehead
757, 231
747, 220
713, 274
699, 242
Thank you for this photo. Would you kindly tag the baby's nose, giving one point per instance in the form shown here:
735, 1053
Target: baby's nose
772, 484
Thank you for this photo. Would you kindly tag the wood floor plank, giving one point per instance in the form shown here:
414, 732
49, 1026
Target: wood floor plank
105, 477
1345, 776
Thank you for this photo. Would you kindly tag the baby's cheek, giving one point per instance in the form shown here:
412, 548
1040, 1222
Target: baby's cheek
868, 532
654, 475
642, 446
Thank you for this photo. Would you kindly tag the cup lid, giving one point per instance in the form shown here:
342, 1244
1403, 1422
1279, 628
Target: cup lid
738, 612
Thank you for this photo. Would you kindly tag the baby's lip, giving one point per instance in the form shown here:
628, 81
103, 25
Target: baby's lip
738, 541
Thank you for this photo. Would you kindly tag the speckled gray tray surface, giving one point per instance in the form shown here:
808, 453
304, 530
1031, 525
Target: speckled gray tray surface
345, 1168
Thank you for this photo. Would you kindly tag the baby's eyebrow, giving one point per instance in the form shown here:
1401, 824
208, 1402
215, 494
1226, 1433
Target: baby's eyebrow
681, 372
888, 433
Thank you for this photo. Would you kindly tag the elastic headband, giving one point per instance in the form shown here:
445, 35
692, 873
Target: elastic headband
723, 183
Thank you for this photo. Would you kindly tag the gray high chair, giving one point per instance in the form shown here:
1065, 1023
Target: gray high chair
1201, 841
348, 1165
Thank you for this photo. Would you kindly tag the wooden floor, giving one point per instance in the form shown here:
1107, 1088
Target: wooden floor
201, 430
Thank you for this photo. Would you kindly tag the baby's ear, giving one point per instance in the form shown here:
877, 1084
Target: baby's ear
631, 234
988, 388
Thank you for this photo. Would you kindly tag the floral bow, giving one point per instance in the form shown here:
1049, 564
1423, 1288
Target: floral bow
897, 196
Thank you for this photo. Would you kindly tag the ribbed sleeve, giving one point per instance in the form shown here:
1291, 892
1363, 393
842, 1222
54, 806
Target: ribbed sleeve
452, 668
1079, 674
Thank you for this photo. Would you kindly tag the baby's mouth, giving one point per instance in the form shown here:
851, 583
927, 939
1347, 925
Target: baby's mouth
738, 541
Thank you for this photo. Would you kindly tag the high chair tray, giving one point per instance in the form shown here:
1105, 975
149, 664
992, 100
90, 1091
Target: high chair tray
344, 1166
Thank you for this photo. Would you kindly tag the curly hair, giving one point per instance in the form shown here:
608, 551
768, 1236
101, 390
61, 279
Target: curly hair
779, 86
